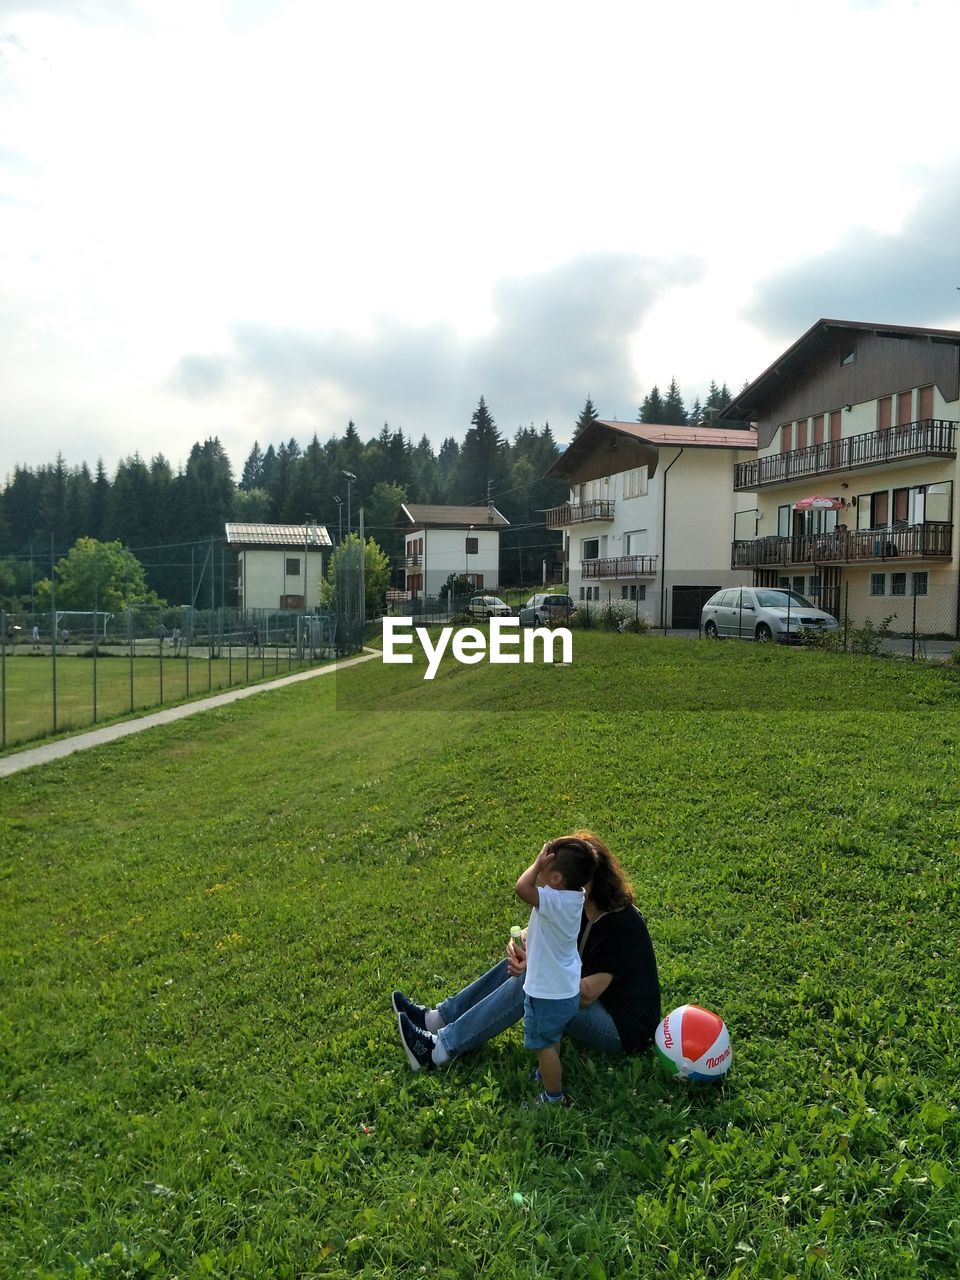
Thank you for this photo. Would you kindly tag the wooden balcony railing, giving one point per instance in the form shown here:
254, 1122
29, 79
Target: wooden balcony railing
931, 438
578, 512
932, 540
620, 567
412, 562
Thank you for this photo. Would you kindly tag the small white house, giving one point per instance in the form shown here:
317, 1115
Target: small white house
279, 566
652, 510
444, 540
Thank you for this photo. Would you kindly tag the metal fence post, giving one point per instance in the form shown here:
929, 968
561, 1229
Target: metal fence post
53, 632
96, 606
913, 628
846, 613
3, 677
130, 651
161, 634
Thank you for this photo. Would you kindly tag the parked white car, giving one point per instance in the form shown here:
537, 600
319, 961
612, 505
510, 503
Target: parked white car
489, 607
764, 613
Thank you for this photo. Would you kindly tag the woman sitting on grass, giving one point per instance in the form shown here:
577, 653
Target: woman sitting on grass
619, 986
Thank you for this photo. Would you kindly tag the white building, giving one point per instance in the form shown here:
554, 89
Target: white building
652, 511
440, 541
279, 566
865, 416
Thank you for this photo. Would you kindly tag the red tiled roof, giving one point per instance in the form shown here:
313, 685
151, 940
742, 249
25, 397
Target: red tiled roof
692, 437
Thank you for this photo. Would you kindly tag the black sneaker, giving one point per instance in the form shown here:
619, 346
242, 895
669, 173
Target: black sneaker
417, 1043
417, 1013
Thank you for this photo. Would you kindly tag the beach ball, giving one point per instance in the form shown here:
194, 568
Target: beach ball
694, 1044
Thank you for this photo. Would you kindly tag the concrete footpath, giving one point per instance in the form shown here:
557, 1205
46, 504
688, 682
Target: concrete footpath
110, 733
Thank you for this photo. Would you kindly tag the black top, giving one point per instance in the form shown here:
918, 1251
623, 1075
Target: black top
620, 944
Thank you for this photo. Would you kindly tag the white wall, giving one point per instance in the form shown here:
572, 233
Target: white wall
701, 504
444, 552
263, 580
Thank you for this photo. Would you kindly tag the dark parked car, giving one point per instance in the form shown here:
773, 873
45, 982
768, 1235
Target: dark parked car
545, 608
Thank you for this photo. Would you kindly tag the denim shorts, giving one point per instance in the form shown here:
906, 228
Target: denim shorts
544, 1020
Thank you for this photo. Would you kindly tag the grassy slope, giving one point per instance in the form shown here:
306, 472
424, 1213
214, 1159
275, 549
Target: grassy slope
201, 926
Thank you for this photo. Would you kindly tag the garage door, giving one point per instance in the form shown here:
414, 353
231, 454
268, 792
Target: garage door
687, 603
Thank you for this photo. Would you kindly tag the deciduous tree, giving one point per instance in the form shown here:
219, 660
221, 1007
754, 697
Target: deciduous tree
104, 574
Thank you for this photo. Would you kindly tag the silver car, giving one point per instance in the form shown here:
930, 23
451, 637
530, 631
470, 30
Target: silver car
545, 607
764, 613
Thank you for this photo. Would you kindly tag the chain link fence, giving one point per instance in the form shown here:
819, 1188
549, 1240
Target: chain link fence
69, 669
900, 616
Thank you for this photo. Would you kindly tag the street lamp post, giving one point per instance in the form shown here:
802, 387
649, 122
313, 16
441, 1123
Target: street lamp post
339, 502
308, 519
466, 556
350, 478
347, 587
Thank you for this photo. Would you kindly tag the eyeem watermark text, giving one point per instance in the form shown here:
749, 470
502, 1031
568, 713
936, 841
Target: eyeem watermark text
470, 645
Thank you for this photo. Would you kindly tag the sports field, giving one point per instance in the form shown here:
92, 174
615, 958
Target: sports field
200, 928
40, 698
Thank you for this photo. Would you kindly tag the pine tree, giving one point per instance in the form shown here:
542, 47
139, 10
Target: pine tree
447, 463
696, 413
588, 414
425, 473
674, 414
714, 397
483, 458
99, 502
717, 400
269, 467
652, 409
351, 450
252, 477
130, 503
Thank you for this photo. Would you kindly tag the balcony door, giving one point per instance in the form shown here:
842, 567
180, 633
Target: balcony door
873, 510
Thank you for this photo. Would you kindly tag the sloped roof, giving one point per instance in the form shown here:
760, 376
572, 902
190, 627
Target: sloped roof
292, 536
607, 447
749, 403
430, 515
698, 437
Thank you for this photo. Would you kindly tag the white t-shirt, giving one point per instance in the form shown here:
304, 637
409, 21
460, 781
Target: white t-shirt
553, 962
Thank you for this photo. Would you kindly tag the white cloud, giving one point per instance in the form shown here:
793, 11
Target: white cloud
385, 183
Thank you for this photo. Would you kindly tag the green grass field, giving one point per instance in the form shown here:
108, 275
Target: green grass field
200, 928
122, 688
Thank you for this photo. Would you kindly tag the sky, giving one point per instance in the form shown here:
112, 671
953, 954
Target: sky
259, 220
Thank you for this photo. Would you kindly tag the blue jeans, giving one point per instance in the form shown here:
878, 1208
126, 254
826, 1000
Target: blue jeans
495, 1001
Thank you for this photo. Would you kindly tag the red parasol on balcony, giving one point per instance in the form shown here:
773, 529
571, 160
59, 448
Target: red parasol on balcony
817, 503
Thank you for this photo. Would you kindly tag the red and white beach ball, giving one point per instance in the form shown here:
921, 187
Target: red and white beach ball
694, 1044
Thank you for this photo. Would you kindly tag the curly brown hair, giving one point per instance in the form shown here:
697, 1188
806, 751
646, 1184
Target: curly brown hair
609, 890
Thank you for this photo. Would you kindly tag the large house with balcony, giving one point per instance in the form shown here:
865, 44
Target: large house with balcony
865, 416
441, 542
650, 515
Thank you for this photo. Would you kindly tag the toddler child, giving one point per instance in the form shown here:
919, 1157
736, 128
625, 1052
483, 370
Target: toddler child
553, 885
